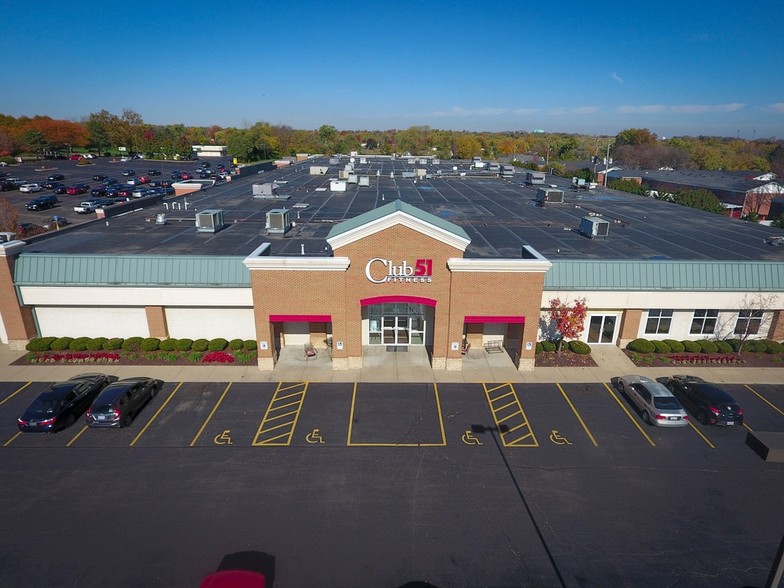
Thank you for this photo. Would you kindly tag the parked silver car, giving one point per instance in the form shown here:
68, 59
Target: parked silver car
657, 404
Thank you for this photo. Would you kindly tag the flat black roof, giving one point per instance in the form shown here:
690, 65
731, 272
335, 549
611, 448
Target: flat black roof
499, 215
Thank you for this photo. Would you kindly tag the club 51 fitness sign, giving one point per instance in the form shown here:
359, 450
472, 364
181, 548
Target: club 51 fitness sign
381, 271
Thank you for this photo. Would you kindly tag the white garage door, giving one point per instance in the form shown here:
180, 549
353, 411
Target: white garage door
91, 322
211, 323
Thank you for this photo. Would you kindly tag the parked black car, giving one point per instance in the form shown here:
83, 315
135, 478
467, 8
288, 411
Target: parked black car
55, 177
710, 404
61, 189
59, 406
99, 177
121, 401
43, 202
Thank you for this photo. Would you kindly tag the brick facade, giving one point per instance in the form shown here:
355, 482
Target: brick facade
17, 319
453, 296
630, 325
156, 321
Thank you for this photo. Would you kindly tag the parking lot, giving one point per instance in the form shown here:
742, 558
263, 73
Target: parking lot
378, 484
38, 171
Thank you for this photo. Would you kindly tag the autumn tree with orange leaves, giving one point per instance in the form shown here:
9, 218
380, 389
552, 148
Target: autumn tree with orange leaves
569, 319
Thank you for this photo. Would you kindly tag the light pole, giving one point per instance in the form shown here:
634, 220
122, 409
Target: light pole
607, 162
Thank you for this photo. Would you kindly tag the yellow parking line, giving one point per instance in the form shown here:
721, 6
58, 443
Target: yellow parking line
579, 418
212, 412
704, 438
351, 415
631, 418
79, 434
748, 428
11, 440
157, 412
4, 400
765, 400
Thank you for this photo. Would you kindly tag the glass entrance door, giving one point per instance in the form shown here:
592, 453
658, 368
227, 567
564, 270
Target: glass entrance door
602, 328
395, 330
396, 323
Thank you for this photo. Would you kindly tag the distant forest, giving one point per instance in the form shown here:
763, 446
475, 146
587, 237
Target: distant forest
103, 133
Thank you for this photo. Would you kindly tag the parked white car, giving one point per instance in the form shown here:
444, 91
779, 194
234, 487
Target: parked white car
30, 188
657, 404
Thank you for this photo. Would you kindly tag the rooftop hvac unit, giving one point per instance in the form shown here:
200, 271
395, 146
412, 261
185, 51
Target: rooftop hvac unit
209, 221
594, 226
549, 196
278, 221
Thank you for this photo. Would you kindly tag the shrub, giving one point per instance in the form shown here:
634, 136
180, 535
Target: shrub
548, 346
96, 343
183, 344
707, 346
641, 346
661, 347
113, 344
755, 346
132, 344
41, 344
539, 348
150, 344
579, 347
675, 346
200, 345
734, 343
218, 344
61, 343
691, 346
249, 345
236, 344
775, 347
168, 345
79, 344
724, 347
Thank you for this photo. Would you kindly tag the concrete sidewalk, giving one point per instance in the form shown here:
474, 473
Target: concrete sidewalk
382, 366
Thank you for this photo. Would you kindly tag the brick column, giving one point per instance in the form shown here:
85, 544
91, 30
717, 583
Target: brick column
776, 332
17, 319
630, 326
156, 321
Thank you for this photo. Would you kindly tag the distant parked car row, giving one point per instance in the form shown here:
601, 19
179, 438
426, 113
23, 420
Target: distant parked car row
103, 399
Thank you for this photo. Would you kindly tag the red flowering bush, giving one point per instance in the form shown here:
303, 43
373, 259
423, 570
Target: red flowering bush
217, 357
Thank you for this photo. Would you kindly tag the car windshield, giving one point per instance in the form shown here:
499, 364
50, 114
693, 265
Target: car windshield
666, 403
43, 406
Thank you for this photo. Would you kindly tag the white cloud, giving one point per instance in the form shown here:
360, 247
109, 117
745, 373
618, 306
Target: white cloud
524, 111
679, 108
458, 111
777, 107
578, 110
616, 77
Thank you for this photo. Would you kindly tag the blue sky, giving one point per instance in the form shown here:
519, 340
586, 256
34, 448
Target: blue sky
677, 68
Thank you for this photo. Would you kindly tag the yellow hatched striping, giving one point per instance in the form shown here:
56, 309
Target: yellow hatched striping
280, 419
509, 416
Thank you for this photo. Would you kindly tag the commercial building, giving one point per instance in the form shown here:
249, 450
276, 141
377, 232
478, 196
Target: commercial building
427, 254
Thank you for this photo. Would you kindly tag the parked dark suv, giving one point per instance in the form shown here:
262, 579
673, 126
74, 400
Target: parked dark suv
43, 202
710, 404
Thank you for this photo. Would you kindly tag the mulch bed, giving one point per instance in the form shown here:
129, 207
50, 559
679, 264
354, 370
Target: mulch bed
706, 359
566, 359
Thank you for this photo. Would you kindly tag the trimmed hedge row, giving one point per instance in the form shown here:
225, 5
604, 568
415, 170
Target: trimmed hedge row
578, 347
137, 344
704, 346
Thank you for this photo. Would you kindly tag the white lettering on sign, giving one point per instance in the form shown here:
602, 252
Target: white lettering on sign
420, 272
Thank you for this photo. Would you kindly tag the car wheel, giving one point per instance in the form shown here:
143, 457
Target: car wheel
646, 417
69, 420
126, 420
153, 392
703, 418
